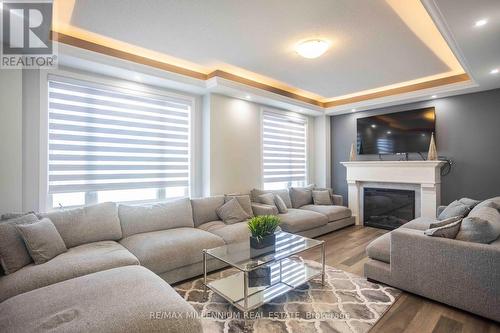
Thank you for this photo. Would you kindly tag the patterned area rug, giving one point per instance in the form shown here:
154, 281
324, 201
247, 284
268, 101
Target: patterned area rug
346, 303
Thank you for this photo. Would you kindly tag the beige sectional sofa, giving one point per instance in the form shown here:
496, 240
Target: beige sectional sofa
462, 274
107, 245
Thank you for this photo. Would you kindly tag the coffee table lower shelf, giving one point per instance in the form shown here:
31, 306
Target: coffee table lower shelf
286, 275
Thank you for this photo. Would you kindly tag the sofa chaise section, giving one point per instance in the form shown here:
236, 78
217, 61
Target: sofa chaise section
77, 261
125, 299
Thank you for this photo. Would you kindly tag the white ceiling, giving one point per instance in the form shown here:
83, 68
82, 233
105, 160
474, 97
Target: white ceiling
372, 47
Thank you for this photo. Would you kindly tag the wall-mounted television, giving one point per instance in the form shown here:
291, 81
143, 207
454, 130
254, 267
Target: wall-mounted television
393, 133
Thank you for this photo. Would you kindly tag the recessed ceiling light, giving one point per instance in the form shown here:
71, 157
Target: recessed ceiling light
434, 96
495, 71
374, 126
248, 97
480, 23
312, 48
353, 110
389, 132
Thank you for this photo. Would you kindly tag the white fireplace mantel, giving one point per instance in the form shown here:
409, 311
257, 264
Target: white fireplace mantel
426, 174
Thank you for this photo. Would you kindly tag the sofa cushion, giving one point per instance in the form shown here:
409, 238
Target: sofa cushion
449, 230
380, 248
204, 209
333, 213
160, 216
492, 202
481, 226
42, 240
267, 199
280, 204
232, 212
231, 233
78, 261
460, 208
297, 220
113, 301
13, 252
165, 250
444, 222
243, 199
420, 223
88, 224
322, 197
301, 196
255, 193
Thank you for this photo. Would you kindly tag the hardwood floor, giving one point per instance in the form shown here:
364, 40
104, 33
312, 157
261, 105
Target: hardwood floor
345, 249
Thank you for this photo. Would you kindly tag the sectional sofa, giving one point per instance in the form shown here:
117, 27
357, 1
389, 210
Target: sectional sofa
462, 274
120, 258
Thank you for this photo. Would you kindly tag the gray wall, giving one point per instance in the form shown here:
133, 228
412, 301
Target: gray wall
467, 131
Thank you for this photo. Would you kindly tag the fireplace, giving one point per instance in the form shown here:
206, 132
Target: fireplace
387, 208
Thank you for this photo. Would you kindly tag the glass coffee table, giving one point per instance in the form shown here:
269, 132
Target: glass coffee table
263, 277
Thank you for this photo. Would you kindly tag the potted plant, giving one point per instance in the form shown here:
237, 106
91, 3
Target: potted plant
262, 229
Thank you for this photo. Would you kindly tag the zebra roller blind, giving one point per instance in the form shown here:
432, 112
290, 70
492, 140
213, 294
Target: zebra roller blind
103, 138
284, 150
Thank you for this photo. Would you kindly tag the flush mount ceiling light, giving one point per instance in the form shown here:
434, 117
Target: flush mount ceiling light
312, 48
480, 23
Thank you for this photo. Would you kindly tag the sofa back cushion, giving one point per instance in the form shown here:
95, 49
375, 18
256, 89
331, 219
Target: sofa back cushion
88, 224
301, 196
243, 200
255, 193
13, 252
205, 209
456, 208
161, 216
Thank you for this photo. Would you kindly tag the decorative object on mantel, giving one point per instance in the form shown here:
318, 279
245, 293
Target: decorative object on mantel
352, 155
432, 155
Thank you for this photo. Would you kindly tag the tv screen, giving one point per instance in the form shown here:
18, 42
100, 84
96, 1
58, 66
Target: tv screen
400, 132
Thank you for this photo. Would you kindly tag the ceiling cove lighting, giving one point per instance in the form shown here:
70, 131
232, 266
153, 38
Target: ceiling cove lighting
312, 48
480, 23
494, 71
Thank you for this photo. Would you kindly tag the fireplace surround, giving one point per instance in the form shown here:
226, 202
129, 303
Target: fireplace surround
424, 177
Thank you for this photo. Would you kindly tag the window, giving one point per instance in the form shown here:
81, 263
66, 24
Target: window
284, 150
111, 144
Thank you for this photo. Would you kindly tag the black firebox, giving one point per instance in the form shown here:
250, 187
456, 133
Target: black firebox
388, 208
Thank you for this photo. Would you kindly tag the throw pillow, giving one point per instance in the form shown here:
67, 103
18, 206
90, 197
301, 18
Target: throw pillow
13, 253
301, 196
447, 231
444, 222
42, 240
322, 197
243, 200
232, 212
481, 226
267, 199
254, 195
456, 208
280, 204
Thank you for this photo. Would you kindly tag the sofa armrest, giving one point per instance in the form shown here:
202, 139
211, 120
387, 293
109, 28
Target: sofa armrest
462, 274
337, 200
440, 210
263, 209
